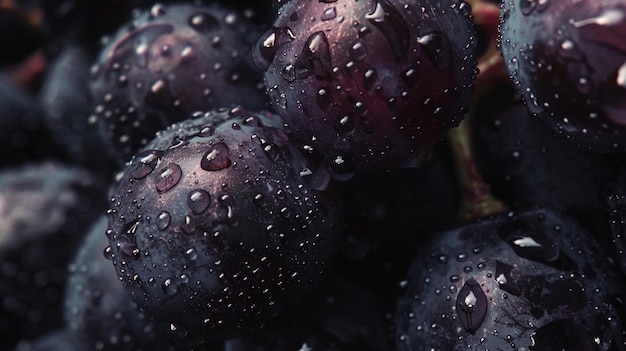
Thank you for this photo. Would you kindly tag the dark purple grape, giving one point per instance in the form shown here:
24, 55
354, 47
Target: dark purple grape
97, 306
340, 316
169, 62
45, 210
532, 281
567, 59
212, 228
527, 166
65, 100
389, 214
369, 84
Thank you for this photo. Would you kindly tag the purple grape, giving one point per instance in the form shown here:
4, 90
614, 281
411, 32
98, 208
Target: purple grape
167, 63
533, 281
212, 228
567, 60
97, 306
369, 84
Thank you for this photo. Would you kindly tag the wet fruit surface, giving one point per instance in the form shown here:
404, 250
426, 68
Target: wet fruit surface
370, 84
312, 175
212, 227
567, 58
168, 62
531, 281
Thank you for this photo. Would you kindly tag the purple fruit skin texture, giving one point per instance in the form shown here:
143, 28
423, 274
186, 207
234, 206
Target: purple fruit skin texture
168, 63
217, 235
566, 59
528, 274
374, 82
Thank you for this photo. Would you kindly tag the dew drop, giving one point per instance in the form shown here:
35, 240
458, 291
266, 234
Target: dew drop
168, 177
169, 287
438, 48
329, 14
163, 220
471, 306
323, 98
358, 51
204, 22
392, 24
191, 254
198, 200
369, 79
315, 57
269, 43
145, 162
342, 168
189, 225
216, 158
345, 124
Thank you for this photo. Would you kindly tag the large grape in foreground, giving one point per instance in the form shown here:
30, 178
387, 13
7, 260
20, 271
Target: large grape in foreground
532, 281
370, 84
168, 63
212, 230
568, 60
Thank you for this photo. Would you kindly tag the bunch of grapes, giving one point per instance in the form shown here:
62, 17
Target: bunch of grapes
313, 175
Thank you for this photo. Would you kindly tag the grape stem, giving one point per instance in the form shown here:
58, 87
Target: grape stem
477, 201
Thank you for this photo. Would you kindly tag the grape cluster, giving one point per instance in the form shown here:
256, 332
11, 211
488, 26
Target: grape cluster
307, 175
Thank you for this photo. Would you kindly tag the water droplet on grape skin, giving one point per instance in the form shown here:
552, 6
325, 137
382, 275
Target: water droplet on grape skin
329, 14
198, 201
216, 158
168, 177
471, 306
315, 57
394, 27
145, 163
163, 220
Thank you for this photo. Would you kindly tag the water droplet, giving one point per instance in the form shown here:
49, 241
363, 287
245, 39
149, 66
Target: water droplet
169, 287
163, 220
191, 254
621, 76
127, 240
471, 306
189, 225
271, 151
108, 253
216, 158
323, 98
438, 48
505, 280
315, 57
391, 23
369, 79
198, 201
345, 124
204, 22
269, 43
157, 10
144, 163
342, 168
409, 77
358, 51
160, 96
529, 6
168, 177
329, 14
536, 246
